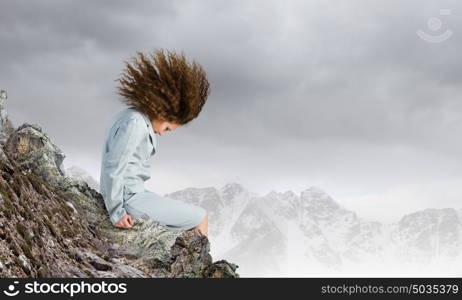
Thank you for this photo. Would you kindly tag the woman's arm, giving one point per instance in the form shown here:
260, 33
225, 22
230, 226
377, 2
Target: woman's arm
128, 135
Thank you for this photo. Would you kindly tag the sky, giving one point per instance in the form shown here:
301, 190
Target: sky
342, 95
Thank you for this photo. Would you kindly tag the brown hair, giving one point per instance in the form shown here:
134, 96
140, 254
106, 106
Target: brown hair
166, 87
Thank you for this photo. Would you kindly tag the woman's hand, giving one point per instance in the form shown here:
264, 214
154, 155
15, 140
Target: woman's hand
125, 222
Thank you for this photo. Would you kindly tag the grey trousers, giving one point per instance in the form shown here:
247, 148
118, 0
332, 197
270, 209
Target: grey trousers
174, 214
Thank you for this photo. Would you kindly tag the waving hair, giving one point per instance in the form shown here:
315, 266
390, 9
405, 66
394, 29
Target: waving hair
164, 86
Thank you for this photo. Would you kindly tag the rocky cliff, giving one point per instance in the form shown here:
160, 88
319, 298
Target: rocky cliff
53, 225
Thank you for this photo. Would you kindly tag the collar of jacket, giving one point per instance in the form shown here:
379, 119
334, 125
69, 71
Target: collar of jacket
151, 130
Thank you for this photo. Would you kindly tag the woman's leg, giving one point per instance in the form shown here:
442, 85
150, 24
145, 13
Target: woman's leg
203, 226
174, 214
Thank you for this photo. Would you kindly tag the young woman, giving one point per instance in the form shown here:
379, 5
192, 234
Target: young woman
163, 92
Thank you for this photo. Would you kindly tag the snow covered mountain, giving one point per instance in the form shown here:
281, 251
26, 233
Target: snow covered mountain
284, 234
80, 174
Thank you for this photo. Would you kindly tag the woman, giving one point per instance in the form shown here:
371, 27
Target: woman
163, 92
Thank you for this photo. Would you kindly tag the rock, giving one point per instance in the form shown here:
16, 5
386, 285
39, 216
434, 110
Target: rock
33, 150
6, 127
221, 269
24, 263
190, 255
4, 158
72, 207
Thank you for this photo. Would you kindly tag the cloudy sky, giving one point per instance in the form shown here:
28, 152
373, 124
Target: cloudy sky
342, 95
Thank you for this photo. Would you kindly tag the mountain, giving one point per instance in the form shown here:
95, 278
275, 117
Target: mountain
53, 225
82, 175
285, 234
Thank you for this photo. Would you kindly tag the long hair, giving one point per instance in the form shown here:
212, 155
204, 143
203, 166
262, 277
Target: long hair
164, 86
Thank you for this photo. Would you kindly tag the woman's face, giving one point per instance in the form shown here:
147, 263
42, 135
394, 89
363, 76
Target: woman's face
161, 126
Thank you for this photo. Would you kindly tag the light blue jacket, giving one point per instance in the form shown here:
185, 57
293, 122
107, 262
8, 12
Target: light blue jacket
129, 143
